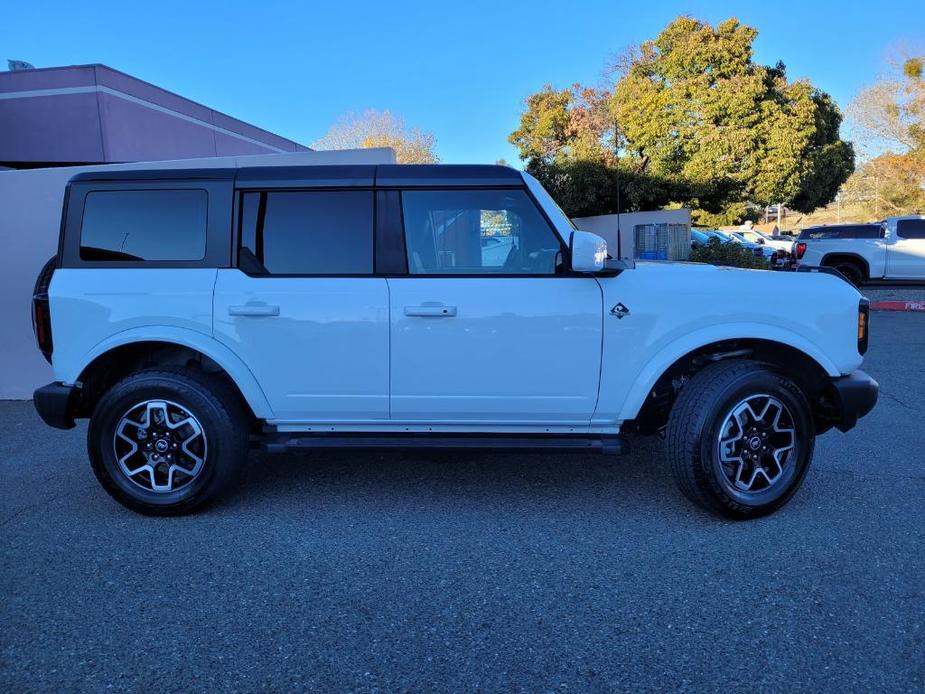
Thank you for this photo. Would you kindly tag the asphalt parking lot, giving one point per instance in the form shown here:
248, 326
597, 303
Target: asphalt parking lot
350, 572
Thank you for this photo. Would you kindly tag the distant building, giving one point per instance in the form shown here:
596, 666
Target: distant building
653, 235
92, 114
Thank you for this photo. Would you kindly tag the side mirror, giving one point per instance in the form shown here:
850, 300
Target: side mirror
589, 251
760, 241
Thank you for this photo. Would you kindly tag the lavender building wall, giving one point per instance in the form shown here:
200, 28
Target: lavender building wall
92, 114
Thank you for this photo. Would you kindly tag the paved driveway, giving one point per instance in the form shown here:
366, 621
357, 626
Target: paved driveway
469, 572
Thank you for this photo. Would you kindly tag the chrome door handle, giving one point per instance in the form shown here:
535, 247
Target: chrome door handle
253, 310
431, 311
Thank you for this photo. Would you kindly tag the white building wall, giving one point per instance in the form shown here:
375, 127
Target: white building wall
30, 219
606, 226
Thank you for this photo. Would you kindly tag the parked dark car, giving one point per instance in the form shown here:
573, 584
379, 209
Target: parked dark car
727, 237
699, 238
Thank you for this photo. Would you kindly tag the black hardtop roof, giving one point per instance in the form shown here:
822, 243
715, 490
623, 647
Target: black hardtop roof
386, 175
154, 175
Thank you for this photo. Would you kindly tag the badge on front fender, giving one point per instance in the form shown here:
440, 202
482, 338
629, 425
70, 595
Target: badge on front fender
619, 311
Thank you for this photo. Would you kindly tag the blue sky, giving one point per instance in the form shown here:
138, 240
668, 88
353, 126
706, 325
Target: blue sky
459, 69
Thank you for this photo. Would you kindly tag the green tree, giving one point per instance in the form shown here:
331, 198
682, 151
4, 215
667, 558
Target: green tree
381, 129
569, 141
696, 109
569, 125
691, 119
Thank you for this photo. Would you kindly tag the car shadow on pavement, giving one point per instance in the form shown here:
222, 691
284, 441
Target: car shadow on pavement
627, 485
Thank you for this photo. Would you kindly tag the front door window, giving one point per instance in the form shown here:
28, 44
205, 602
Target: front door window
480, 232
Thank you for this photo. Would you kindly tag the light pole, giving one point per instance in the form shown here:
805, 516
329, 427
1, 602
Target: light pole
876, 196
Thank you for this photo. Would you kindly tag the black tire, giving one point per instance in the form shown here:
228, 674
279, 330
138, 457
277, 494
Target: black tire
222, 441
851, 271
693, 439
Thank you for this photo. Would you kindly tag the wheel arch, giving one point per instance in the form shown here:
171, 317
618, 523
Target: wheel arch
830, 259
658, 385
125, 352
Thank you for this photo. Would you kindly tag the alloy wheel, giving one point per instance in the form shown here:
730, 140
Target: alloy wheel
756, 444
160, 446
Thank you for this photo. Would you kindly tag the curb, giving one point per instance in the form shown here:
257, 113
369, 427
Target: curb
897, 306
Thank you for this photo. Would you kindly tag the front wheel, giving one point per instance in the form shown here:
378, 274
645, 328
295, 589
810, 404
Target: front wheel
165, 442
740, 439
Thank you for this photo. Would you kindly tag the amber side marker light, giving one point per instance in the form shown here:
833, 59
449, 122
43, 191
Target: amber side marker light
863, 325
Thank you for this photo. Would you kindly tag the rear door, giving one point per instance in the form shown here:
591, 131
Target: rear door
906, 254
487, 330
302, 308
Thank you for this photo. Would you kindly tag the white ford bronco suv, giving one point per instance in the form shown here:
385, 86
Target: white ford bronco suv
893, 249
192, 314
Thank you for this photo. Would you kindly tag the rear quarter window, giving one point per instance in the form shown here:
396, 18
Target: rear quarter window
153, 225
910, 228
854, 231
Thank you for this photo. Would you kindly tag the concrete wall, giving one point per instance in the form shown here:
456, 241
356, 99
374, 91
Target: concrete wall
606, 226
30, 218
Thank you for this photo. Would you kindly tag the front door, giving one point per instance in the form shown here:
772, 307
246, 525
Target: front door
302, 309
486, 329
906, 253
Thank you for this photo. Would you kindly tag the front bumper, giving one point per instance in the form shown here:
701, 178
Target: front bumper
55, 404
854, 396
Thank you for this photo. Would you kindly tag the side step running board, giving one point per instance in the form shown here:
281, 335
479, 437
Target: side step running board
282, 442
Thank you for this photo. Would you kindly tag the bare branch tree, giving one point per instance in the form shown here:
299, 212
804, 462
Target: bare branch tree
381, 129
888, 115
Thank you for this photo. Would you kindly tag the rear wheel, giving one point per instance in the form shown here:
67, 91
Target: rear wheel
740, 439
165, 442
850, 270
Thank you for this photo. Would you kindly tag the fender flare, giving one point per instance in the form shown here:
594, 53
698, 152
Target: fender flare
236, 369
862, 261
653, 369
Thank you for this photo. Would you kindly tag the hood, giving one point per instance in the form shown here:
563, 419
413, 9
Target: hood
780, 286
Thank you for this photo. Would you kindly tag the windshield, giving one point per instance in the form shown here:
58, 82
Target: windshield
740, 238
723, 236
547, 202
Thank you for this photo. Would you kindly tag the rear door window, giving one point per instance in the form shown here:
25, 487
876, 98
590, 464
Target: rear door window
910, 228
318, 232
155, 225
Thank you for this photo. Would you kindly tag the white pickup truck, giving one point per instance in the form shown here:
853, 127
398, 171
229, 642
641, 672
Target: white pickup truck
892, 249
190, 314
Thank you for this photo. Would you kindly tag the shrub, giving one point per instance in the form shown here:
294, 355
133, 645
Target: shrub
730, 254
